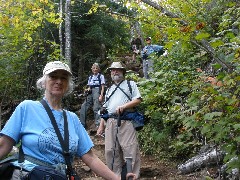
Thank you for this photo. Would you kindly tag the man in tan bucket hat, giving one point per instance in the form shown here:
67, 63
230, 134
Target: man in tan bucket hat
120, 134
117, 65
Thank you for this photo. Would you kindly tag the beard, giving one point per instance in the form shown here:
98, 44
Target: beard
117, 77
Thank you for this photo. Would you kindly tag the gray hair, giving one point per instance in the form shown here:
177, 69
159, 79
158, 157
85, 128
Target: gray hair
41, 82
96, 64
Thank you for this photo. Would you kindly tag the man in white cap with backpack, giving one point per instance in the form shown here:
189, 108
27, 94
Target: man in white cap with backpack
120, 135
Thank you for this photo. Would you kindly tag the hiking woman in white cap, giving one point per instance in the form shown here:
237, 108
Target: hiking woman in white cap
31, 125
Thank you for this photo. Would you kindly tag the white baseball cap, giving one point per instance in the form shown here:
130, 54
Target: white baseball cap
148, 38
56, 65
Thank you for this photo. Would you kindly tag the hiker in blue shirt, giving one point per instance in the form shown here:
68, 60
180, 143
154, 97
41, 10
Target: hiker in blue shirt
94, 96
31, 125
145, 53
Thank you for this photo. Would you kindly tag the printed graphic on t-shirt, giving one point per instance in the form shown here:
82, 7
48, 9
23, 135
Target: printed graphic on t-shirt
48, 143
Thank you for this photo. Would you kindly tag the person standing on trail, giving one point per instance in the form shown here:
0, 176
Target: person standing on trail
94, 96
120, 136
146, 60
136, 46
31, 125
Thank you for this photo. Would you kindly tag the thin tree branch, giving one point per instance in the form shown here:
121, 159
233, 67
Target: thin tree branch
204, 42
166, 12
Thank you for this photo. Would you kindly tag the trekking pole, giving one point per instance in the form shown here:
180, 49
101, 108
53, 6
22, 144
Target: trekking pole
118, 121
115, 143
87, 105
129, 166
86, 101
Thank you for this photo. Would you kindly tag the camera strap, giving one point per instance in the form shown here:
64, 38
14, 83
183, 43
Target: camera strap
63, 142
125, 94
108, 97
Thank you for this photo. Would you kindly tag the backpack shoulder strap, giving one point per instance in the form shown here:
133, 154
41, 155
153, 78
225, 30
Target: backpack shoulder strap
108, 97
99, 78
129, 86
130, 90
90, 78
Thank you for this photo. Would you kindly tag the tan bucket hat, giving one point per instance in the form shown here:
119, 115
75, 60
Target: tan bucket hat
117, 65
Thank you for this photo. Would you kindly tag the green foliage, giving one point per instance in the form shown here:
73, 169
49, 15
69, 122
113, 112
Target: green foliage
150, 138
97, 34
24, 45
163, 96
182, 104
216, 113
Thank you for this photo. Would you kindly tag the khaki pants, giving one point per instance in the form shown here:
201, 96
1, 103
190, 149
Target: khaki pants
126, 145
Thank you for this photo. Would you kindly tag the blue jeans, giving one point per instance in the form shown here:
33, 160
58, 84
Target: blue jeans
147, 67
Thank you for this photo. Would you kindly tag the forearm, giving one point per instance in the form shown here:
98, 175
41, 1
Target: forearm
95, 164
104, 171
101, 93
101, 128
102, 123
128, 105
102, 89
6, 145
132, 104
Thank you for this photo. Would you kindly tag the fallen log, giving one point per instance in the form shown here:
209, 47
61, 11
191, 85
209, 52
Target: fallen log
234, 174
205, 159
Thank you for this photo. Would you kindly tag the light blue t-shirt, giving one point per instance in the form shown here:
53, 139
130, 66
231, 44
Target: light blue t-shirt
31, 124
149, 49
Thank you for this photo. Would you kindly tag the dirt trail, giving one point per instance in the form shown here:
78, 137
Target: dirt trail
150, 167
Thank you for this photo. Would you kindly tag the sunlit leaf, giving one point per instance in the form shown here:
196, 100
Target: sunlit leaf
201, 36
210, 116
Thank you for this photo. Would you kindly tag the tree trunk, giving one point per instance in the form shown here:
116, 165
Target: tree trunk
0, 117
68, 32
103, 52
234, 174
80, 66
60, 29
